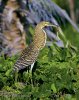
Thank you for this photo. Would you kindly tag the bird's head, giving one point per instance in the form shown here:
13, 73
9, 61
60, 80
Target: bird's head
45, 23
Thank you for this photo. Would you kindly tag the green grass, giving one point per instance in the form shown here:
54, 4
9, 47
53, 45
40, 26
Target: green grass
55, 77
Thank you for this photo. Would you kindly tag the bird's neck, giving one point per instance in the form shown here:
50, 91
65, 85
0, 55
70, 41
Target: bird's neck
39, 39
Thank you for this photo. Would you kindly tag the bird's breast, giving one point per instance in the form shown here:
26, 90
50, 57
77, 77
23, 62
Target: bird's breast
40, 39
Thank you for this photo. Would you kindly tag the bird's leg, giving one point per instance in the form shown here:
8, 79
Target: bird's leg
16, 76
32, 66
31, 74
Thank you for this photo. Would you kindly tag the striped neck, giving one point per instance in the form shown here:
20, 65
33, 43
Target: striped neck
40, 37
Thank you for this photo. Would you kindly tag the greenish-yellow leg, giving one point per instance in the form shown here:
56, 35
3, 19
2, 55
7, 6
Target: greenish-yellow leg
16, 76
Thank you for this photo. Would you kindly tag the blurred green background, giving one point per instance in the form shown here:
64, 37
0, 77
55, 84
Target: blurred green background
69, 31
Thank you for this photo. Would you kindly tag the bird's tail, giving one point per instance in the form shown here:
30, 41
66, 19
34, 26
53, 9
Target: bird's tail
20, 64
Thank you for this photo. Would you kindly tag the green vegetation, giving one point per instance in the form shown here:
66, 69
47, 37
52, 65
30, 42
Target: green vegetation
71, 34
62, 4
55, 77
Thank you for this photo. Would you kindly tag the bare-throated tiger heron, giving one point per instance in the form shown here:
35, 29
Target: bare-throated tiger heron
30, 54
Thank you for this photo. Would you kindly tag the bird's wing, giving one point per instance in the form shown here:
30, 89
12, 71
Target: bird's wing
28, 57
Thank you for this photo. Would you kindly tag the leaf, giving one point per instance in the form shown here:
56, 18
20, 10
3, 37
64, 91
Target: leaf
8, 72
53, 87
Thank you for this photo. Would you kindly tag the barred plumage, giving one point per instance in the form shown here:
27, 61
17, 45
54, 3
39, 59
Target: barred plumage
27, 58
30, 54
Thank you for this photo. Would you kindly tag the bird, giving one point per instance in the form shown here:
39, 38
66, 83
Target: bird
30, 53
